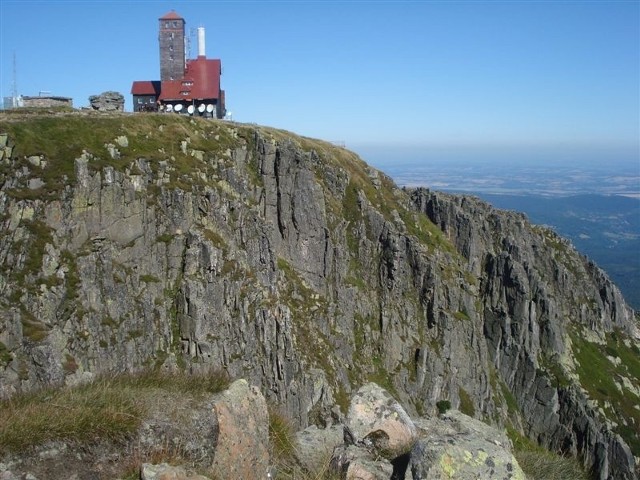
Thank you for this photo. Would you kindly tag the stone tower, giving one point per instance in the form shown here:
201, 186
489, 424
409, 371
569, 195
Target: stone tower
172, 47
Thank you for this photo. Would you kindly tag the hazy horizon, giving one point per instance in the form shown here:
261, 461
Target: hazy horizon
548, 171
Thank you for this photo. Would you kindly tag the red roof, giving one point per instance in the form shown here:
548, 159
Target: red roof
172, 15
201, 81
146, 87
171, 89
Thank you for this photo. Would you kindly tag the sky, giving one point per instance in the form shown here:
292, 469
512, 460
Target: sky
467, 78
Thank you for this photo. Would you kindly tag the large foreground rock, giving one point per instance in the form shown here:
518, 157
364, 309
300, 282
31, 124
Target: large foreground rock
453, 446
243, 440
376, 419
316, 445
458, 446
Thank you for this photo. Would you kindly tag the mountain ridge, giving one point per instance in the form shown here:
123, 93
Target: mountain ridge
606, 228
155, 240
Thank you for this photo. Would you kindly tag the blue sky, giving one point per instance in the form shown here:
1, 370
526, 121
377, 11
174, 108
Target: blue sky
472, 76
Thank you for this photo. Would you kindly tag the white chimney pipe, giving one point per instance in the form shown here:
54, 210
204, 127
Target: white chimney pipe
201, 48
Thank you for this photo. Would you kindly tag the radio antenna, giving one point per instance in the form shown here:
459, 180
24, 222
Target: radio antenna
14, 85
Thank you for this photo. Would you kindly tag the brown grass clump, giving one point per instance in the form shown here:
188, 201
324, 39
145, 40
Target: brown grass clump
543, 465
108, 409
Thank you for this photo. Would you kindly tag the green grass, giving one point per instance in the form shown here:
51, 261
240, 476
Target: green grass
164, 238
149, 279
602, 379
281, 435
32, 328
110, 408
39, 235
461, 315
512, 403
466, 404
545, 465
540, 464
61, 139
215, 238
419, 225
38, 110
283, 448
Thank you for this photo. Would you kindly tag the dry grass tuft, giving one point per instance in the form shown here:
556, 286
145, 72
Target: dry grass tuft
284, 450
543, 465
110, 408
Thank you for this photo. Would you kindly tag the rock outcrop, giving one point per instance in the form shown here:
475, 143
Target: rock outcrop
457, 446
382, 442
377, 420
107, 102
161, 241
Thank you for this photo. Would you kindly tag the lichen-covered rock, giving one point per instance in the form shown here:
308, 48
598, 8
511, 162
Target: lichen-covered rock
7, 475
242, 449
459, 447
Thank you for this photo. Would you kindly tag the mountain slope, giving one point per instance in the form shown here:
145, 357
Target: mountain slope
130, 242
605, 228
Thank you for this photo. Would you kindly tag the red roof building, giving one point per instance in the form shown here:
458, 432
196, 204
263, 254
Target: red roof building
196, 82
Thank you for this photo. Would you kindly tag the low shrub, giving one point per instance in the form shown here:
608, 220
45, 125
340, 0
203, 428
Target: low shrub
443, 406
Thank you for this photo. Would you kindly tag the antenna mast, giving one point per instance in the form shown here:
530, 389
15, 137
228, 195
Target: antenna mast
14, 86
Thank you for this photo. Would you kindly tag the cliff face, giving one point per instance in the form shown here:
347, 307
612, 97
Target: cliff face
552, 322
138, 241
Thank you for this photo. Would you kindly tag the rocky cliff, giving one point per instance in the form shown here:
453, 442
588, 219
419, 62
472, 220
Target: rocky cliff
133, 242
